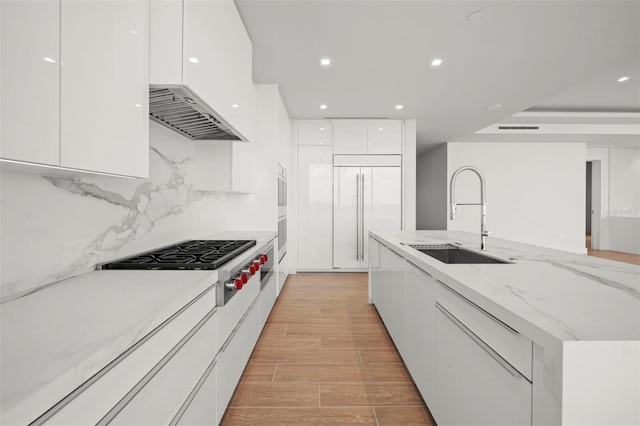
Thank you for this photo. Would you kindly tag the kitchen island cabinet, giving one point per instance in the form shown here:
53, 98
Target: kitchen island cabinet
551, 339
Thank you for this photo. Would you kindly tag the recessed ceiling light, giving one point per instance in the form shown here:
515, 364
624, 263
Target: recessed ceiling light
49, 60
133, 32
475, 15
194, 60
235, 105
436, 62
323, 106
325, 62
380, 128
321, 128
399, 107
493, 107
137, 105
623, 79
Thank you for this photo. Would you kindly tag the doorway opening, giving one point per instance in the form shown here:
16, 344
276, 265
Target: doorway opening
593, 208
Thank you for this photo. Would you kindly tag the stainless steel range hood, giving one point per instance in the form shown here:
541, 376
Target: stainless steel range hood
179, 109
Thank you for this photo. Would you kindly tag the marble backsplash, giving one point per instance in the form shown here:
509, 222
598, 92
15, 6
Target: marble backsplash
54, 228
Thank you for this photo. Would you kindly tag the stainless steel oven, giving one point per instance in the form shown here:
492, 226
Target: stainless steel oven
282, 212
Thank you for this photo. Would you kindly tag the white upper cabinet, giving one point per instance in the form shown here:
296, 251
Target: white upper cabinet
224, 166
384, 138
204, 46
30, 97
104, 86
367, 137
75, 81
314, 132
350, 138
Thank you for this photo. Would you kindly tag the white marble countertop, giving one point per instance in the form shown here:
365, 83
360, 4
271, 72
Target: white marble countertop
546, 293
55, 338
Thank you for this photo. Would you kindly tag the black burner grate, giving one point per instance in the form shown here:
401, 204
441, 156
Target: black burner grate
189, 255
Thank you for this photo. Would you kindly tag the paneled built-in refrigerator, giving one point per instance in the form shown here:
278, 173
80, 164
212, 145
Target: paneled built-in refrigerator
367, 194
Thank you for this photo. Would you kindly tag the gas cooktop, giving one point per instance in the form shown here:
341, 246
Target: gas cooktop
188, 255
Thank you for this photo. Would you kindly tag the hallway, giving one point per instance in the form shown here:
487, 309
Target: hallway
325, 357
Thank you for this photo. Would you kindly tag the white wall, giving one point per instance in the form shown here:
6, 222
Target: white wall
535, 191
431, 193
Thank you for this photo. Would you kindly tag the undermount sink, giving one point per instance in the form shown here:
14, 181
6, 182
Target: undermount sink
453, 254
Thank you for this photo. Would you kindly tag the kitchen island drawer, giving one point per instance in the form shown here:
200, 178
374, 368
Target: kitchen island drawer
515, 348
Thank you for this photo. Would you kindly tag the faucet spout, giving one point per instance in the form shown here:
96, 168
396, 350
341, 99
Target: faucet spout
483, 203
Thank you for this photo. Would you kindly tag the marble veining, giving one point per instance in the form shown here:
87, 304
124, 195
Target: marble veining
68, 225
547, 293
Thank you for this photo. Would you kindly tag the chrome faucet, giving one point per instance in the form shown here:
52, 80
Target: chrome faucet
483, 219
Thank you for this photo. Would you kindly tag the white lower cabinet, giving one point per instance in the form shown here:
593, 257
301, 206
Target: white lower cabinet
420, 348
158, 401
201, 410
234, 357
390, 295
268, 297
474, 384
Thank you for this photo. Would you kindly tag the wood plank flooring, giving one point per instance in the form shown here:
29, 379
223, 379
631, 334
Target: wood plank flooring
325, 357
632, 258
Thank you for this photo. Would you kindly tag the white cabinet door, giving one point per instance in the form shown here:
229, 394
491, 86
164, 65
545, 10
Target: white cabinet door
224, 166
243, 170
382, 200
104, 86
315, 207
161, 398
217, 61
384, 138
350, 138
30, 72
420, 350
201, 410
364, 198
268, 296
474, 385
234, 359
314, 132
347, 220
390, 295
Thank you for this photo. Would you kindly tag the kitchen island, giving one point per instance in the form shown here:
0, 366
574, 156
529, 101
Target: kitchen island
549, 337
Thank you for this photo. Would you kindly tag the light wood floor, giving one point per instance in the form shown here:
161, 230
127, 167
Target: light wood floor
325, 357
634, 259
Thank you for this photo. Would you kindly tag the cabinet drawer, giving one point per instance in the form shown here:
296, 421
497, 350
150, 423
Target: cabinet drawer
474, 387
232, 311
91, 401
158, 397
516, 349
234, 357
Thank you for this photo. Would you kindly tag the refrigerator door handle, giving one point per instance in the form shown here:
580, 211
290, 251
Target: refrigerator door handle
362, 219
357, 216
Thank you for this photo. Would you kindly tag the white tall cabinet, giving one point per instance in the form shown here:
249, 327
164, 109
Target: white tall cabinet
352, 176
315, 194
75, 79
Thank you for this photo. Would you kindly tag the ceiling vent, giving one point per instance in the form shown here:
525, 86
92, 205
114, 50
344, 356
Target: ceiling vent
179, 109
517, 127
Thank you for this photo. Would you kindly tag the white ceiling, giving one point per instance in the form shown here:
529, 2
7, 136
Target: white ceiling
525, 55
